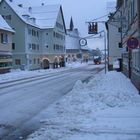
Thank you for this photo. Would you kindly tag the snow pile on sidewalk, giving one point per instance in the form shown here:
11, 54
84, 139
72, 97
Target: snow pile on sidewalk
106, 108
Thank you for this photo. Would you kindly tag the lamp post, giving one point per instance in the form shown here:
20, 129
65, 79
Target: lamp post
138, 3
105, 50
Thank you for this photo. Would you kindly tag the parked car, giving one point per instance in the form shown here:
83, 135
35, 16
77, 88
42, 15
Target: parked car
97, 60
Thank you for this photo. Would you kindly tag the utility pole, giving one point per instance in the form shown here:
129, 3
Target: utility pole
138, 3
93, 29
105, 51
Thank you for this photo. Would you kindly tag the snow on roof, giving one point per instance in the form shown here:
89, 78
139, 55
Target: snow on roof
86, 48
45, 16
4, 25
20, 11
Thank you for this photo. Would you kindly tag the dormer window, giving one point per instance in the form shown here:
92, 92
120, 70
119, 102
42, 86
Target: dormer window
26, 16
33, 19
20, 5
30, 9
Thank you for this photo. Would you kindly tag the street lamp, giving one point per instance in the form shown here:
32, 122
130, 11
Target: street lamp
104, 48
139, 36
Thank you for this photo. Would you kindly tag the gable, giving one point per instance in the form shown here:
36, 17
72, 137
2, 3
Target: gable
60, 20
44, 16
4, 25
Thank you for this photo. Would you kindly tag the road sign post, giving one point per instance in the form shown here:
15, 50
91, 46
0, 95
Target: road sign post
132, 43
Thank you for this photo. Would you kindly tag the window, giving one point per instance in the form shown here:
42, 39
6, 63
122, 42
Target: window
54, 47
54, 34
17, 62
38, 60
30, 61
4, 8
13, 46
4, 38
29, 31
33, 46
7, 17
33, 32
120, 45
60, 26
30, 46
37, 47
34, 60
37, 34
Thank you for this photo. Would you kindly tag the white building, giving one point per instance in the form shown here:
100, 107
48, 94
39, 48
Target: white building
127, 16
114, 40
73, 49
39, 41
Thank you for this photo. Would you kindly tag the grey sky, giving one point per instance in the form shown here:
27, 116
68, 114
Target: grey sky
80, 10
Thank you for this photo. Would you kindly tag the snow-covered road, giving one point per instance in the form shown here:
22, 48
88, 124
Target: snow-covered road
105, 108
22, 105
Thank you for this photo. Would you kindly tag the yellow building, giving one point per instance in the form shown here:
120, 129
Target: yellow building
5, 46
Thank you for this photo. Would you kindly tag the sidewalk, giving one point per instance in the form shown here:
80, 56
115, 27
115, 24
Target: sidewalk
106, 108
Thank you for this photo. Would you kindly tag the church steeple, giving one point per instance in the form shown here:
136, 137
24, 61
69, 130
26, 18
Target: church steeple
71, 24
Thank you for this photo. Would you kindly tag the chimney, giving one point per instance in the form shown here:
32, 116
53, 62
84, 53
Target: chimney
30, 9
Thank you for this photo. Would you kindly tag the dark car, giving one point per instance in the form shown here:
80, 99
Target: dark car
97, 60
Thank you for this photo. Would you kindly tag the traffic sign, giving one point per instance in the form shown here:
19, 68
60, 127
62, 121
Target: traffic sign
132, 43
83, 42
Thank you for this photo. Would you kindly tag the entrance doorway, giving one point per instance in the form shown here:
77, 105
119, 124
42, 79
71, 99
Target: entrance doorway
46, 64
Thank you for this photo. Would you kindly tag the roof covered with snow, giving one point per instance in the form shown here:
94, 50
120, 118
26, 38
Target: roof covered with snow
20, 11
44, 16
4, 25
85, 48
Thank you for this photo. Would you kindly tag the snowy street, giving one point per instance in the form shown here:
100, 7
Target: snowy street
22, 102
70, 70
105, 108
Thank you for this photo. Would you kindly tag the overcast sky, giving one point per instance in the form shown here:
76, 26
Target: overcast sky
80, 10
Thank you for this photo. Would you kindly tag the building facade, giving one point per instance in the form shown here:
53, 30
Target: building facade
39, 41
131, 61
129, 20
5, 46
114, 40
73, 49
